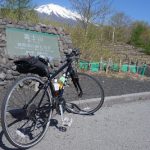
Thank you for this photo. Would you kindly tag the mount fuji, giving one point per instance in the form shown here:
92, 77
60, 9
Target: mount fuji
58, 13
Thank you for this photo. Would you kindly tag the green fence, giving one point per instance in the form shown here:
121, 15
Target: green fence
115, 67
141, 69
124, 68
95, 66
84, 65
133, 68
101, 66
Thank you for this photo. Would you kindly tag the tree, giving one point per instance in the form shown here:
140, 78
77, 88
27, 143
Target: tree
91, 11
138, 28
17, 9
120, 20
120, 23
140, 36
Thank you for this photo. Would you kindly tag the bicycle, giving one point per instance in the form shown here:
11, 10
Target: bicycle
30, 102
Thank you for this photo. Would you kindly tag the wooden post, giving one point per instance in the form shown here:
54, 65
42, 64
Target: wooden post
137, 68
120, 64
101, 65
129, 71
113, 35
108, 65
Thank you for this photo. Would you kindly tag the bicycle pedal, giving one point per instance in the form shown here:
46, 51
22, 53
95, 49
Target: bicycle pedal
62, 129
67, 121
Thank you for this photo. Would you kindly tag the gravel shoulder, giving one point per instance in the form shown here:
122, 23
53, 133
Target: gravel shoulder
121, 86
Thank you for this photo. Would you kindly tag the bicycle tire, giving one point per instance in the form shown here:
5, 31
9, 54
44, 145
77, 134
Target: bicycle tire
91, 100
14, 102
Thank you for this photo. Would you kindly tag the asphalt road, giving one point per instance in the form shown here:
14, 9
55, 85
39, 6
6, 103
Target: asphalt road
119, 127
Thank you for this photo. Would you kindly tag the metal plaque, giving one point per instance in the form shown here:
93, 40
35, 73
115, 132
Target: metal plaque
25, 42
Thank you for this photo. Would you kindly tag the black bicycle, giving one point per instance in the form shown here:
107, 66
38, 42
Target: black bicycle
30, 102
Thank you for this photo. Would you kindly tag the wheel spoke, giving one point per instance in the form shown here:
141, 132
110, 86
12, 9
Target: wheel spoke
27, 112
87, 94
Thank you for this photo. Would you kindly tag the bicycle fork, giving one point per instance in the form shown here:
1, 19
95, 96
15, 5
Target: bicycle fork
78, 88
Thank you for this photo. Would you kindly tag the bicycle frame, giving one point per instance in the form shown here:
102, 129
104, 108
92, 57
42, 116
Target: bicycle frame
51, 77
49, 83
69, 70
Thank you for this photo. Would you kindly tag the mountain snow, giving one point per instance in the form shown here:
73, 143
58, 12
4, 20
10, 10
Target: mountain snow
59, 11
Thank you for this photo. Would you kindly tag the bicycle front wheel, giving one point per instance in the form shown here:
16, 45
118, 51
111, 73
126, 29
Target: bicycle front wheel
26, 112
90, 100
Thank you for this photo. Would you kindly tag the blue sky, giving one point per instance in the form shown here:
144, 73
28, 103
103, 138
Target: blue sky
136, 9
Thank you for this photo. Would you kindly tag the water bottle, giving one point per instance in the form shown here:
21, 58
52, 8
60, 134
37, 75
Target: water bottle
56, 85
62, 81
59, 85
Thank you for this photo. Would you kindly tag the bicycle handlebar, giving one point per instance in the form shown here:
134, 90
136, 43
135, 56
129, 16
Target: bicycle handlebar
72, 55
74, 52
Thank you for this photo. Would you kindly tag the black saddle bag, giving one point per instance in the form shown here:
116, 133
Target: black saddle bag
32, 65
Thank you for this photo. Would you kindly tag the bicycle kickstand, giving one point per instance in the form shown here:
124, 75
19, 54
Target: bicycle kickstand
65, 120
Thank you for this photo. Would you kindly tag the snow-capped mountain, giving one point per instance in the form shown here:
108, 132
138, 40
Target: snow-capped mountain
58, 13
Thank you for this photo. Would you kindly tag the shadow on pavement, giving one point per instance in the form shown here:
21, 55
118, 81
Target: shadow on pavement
3, 145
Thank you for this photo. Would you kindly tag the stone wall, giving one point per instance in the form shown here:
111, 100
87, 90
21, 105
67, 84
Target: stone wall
7, 67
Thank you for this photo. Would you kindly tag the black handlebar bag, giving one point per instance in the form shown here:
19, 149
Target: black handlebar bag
32, 65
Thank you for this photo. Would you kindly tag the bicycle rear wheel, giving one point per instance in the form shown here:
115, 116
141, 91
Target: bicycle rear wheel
26, 112
89, 101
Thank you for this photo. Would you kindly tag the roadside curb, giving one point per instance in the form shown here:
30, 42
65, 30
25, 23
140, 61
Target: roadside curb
120, 99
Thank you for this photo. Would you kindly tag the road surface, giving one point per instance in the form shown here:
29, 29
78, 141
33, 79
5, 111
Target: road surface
117, 127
